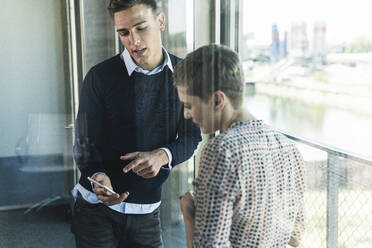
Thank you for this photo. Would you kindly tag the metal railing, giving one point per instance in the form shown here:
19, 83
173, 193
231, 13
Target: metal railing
334, 176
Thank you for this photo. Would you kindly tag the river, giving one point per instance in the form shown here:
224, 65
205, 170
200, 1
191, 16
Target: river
332, 126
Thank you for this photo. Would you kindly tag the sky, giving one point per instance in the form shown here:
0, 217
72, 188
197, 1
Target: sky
345, 19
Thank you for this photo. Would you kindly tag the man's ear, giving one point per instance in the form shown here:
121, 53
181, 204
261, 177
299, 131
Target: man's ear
161, 20
219, 99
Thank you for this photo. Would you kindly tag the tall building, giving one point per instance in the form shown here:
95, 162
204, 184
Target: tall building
319, 39
285, 45
275, 44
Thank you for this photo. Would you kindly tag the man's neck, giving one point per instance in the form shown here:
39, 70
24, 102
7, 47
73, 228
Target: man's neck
158, 62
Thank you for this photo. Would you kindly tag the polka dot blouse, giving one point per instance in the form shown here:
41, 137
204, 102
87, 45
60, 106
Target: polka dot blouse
249, 191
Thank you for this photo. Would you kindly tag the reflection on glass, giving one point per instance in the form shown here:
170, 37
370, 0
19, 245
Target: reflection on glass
35, 111
98, 33
177, 39
33, 86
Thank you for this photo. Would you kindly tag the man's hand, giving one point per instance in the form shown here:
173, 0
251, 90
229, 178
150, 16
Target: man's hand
187, 205
105, 196
146, 164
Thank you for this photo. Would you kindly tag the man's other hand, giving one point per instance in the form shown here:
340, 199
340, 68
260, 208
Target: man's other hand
146, 164
105, 196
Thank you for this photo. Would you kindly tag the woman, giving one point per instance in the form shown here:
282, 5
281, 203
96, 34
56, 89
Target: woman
249, 190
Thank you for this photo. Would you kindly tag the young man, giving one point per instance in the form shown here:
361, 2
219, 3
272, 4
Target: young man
130, 132
249, 190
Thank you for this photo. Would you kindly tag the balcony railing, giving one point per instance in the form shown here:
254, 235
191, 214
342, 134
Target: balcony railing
342, 186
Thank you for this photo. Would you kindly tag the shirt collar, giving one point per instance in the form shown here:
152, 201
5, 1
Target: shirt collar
131, 65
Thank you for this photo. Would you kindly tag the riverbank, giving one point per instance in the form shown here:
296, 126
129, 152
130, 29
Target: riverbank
316, 95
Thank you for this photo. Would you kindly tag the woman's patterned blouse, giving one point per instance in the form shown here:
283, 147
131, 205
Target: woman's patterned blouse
250, 189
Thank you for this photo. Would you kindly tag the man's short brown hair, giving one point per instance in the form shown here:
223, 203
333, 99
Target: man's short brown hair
211, 68
119, 5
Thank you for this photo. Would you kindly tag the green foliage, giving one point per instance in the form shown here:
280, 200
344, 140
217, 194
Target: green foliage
178, 39
176, 43
362, 44
321, 77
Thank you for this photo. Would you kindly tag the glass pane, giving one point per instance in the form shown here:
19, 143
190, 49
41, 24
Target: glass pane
308, 64
98, 33
35, 108
33, 88
178, 40
308, 72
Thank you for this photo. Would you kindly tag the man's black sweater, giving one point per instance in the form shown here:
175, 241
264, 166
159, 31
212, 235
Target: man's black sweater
119, 114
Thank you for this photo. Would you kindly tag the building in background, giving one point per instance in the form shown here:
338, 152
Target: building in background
275, 44
285, 45
299, 40
319, 50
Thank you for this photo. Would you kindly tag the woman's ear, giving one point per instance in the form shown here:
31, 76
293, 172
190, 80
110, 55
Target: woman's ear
219, 99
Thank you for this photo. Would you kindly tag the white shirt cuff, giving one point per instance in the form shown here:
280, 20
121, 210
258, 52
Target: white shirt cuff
169, 154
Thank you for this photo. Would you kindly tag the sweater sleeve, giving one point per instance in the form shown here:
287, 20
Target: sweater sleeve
88, 128
188, 138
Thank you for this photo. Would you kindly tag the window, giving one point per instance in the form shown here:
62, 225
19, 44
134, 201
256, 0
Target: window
36, 139
308, 73
310, 65
178, 40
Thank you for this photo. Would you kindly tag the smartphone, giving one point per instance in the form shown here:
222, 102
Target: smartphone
101, 185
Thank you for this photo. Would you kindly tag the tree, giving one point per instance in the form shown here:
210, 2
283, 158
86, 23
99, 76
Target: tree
362, 44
